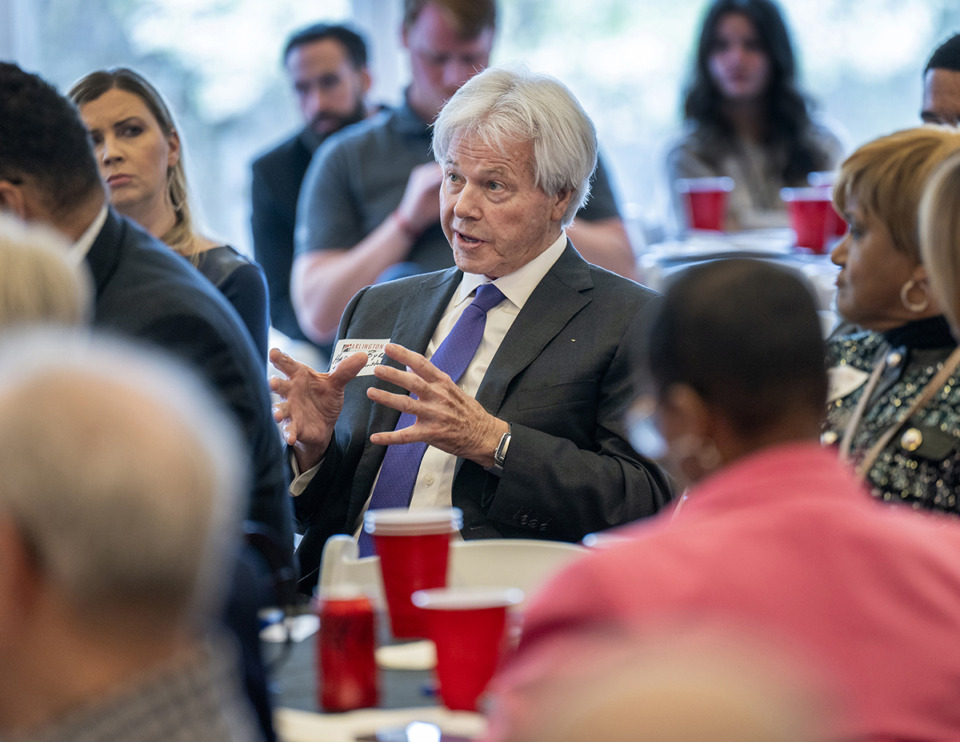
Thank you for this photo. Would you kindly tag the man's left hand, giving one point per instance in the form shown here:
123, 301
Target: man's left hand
447, 418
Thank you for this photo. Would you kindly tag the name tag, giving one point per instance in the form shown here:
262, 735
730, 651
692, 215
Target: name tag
348, 346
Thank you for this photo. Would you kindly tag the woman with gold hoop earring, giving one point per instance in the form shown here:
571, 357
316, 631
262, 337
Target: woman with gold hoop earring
893, 408
140, 155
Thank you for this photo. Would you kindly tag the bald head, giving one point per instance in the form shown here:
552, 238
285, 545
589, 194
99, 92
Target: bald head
119, 474
678, 690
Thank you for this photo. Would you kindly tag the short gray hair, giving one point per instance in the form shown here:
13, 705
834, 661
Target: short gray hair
40, 280
121, 473
506, 105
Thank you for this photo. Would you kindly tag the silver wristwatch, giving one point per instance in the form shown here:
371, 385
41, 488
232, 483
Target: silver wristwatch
500, 455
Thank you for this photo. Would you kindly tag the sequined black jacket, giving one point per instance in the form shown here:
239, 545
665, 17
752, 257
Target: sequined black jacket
921, 464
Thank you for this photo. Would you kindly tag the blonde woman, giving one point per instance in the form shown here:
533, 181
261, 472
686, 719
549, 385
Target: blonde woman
140, 156
894, 404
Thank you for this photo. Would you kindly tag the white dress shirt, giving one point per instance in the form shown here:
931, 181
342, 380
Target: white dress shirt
82, 246
434, 485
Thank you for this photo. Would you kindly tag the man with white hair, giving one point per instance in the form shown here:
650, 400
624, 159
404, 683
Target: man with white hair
110, 574
368, 209
524, 432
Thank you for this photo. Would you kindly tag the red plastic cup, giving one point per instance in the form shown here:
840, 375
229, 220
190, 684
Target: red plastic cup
705, 201
812, 217
414, 550
825, 181
468, 625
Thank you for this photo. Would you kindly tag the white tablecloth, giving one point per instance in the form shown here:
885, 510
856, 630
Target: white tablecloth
305, 726
664, 258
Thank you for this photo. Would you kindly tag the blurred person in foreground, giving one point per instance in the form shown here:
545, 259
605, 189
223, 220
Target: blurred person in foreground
940, 237
49, 176
369, 208
941, 84
108, 596
778, 540
39, 281
141, 159
894, 402
527, 437
746, 117
327, 66
678, 689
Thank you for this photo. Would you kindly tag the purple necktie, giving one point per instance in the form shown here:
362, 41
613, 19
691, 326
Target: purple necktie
401, 463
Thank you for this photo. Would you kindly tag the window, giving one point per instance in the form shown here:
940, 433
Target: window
217, 61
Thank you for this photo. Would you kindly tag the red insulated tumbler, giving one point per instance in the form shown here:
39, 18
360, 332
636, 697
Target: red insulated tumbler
345, 651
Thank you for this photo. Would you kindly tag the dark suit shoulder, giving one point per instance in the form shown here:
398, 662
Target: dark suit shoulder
290, 151
147, 292
403, 287
572, 270
139, 266
608, 281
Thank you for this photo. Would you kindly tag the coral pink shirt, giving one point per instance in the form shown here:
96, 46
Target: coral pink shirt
785, 544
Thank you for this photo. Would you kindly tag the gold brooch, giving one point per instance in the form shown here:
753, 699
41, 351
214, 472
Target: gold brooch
911, 439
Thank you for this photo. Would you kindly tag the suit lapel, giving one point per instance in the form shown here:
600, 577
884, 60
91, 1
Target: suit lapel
422, 309
557, 298
104, 254
417, 319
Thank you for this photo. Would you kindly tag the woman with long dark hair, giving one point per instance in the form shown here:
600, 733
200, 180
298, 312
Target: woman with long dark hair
745, 116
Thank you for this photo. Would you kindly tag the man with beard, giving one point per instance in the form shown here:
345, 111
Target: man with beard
327, 65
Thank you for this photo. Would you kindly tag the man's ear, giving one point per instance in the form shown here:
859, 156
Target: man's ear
13, 200
560, 204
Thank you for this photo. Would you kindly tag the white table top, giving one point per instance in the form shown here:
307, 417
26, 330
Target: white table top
663, 258
306, 726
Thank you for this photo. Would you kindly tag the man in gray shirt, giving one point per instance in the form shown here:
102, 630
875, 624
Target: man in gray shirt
369, 208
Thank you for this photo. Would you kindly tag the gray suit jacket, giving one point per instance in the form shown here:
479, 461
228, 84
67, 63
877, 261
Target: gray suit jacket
564, 377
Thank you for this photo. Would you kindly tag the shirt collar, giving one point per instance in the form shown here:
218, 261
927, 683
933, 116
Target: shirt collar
310, 139
82, 246
517, 286
407, 121
930, 332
